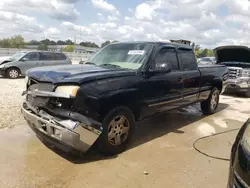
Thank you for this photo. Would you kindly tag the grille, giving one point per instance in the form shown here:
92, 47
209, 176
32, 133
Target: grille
234, 72
41, 87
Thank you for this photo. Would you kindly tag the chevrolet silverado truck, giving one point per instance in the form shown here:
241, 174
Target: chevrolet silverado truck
237, 59
99, 102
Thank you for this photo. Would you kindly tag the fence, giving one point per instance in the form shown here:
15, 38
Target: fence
75, 57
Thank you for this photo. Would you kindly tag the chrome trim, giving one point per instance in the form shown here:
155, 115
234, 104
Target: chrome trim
165, 102
79, 138
241, 180
189, 96
37, 93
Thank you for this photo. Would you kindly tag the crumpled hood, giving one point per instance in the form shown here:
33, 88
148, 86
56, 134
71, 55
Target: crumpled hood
77, 74
232, 54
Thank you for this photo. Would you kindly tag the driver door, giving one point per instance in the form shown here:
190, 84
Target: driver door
164, 88
30, 60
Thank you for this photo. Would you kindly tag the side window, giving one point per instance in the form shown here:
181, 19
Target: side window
32, 56
167, 55
187, 59
46, 56
59, 56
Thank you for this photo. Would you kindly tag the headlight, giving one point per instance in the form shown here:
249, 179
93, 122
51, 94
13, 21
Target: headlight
70, 90
246, 72
246, 138
26, 79
2, 66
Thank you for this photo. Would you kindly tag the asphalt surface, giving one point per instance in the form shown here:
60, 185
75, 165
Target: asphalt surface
161, 154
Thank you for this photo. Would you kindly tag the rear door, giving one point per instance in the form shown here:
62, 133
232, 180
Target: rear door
191, 75
164, 89
46, 59
61, 59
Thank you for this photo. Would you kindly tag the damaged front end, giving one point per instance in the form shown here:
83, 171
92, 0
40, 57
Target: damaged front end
49, 112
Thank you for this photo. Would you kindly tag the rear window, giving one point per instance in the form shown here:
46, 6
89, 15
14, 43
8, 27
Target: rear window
59, 56
52, 56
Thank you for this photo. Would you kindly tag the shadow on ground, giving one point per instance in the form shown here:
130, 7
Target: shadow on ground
145, 131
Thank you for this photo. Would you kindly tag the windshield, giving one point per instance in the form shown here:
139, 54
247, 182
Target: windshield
122, 55
17, 55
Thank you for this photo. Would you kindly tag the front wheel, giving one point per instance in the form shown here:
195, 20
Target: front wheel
210, 105
13, 73
118, 127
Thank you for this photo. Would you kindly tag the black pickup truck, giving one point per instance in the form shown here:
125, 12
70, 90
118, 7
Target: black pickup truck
75, 106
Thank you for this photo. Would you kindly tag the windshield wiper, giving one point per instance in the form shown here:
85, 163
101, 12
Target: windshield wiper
110, 65
90, 63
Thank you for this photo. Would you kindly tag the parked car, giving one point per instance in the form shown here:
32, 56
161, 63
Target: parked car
237, 59
239, 173
207, 60
73, 106
23, 61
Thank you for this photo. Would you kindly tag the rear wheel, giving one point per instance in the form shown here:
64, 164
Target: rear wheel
118, 127
210, 105
12, 73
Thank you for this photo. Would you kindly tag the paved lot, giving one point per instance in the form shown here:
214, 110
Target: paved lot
162, 147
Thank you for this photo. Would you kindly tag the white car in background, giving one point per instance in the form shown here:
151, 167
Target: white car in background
5, 58
206, 60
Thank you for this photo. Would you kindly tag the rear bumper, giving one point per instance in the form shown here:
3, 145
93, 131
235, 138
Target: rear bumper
79, 137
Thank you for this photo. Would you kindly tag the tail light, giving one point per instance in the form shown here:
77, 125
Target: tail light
70, 62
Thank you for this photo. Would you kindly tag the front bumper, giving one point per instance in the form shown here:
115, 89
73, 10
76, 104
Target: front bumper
239, 84
80, 137
2, 72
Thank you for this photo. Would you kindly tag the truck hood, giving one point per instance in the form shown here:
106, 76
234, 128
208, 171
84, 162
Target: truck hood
76, 74
238, 56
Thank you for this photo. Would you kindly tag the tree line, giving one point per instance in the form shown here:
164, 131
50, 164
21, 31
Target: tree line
18, 41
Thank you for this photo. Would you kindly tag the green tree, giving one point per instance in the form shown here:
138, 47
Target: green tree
105, 43
33, 42
89, 44
69, 48
42, 47
69, 42
60, 42
5, 43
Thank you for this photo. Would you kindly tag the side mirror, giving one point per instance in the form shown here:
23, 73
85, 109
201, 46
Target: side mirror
25, 59
162, 68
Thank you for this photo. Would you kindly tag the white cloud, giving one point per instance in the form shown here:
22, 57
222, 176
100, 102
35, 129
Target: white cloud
104, 5
112, 18
57, 9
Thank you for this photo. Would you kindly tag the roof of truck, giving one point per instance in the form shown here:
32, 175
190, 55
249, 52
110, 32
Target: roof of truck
159, 42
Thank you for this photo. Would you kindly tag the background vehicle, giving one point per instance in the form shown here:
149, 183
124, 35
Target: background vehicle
239, 173
23, 61
237, 59
206, 60
121, 84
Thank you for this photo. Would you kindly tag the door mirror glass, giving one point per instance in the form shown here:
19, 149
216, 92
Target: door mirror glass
162, 67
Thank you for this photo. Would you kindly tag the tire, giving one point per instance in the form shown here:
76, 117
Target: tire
210, 105
13, 73
118, 128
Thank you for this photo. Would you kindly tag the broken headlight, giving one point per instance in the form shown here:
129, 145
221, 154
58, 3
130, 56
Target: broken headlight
70, 90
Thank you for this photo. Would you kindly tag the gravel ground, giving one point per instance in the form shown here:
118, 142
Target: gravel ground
10, 101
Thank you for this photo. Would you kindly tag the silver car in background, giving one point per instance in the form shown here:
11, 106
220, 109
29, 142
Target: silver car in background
206, 60
20, 62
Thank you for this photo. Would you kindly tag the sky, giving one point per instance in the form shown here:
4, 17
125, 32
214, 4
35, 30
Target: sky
209, 23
